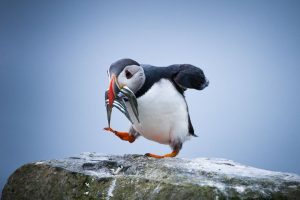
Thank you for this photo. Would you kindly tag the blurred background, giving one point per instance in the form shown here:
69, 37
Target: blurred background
54, 56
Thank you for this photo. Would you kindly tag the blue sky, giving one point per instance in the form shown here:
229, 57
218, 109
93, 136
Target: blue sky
54, 56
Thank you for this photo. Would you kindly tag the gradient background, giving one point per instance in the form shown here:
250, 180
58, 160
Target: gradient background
54, 56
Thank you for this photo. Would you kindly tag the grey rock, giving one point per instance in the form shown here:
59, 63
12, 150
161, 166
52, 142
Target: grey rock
97, 176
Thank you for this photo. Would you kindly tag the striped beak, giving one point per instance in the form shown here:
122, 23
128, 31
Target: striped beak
116, 96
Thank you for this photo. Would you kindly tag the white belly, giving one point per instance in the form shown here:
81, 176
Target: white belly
162, 113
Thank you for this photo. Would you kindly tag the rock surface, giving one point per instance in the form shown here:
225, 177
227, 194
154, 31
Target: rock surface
96, 176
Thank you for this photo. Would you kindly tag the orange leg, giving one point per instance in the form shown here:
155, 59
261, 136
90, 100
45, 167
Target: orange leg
173, 154
122, 135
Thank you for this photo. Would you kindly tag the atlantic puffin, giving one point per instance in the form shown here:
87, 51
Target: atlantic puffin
153, 100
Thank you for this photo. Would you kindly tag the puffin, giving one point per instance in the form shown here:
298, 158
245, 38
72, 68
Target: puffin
153, 100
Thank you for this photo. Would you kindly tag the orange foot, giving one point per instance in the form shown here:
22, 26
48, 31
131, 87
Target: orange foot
173, 154
122, 135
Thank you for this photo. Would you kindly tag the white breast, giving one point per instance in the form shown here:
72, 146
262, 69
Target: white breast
162, 113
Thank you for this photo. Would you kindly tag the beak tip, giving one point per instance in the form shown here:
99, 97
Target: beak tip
109, 111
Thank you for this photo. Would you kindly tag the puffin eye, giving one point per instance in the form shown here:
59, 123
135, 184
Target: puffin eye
128, 74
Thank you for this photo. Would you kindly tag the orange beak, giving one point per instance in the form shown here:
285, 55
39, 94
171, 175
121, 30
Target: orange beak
111, 91
110, 96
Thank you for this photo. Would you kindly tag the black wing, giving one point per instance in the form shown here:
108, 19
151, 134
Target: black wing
189, 76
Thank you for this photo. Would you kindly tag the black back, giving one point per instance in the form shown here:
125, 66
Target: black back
182, 75
153, 75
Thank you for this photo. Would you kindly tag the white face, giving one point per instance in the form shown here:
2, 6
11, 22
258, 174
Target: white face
132, 76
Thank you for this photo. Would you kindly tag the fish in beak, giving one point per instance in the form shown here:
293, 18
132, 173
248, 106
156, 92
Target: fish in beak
116, 96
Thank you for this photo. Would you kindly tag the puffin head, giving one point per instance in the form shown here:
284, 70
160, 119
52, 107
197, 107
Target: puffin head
126, 77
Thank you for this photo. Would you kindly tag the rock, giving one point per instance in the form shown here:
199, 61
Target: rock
96, 176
